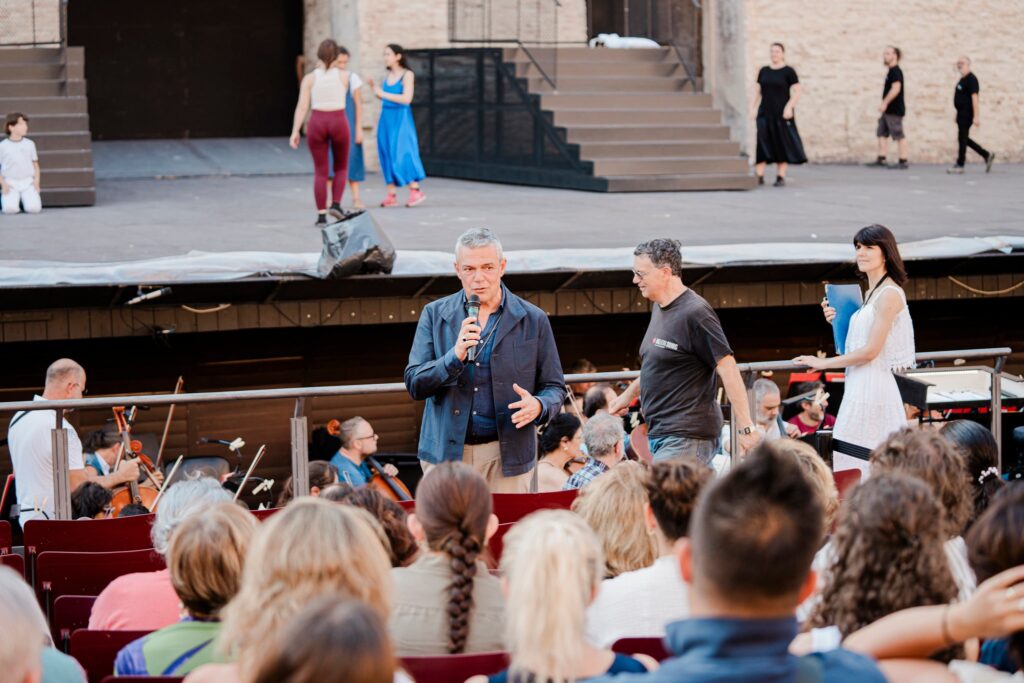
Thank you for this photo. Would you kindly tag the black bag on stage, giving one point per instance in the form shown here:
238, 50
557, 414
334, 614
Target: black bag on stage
354, 246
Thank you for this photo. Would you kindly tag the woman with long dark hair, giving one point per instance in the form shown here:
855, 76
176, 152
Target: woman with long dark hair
398, 146
982, 456
557, 445
879, 341
775, 95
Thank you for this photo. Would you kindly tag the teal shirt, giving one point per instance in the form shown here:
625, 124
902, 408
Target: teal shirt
60, 668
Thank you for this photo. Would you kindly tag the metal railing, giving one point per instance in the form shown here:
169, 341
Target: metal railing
299, 426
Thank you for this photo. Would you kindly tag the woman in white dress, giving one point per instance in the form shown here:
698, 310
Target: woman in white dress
879, 341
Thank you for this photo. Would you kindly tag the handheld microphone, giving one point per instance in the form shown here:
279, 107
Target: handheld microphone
473, 311
156, 293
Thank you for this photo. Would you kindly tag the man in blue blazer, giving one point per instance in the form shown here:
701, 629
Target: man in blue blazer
483, 412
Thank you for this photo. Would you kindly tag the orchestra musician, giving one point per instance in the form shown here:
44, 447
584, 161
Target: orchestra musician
358, 442
29, 441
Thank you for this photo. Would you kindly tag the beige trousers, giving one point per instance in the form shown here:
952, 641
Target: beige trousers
486, 459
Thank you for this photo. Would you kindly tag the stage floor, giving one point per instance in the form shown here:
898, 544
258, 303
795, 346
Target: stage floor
164, 198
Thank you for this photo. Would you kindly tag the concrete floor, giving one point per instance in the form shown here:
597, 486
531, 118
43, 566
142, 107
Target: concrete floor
161, 198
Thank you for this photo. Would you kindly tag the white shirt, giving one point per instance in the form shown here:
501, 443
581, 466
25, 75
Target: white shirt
963, 575
973, 672
32, 456
354, 83
16, 159
328, 91
638, 604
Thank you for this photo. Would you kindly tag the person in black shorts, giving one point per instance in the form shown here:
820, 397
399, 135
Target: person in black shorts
892, 110
968, 113
774, 95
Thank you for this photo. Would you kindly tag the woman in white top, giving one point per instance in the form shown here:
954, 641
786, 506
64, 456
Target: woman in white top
880, 340
324, 90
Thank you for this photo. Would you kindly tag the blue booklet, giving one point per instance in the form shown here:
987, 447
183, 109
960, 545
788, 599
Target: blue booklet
847, 300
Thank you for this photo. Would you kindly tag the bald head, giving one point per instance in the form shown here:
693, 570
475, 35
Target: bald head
64, 379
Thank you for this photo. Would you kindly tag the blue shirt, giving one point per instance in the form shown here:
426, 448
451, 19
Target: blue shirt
746, 651
586, 474
620, 664
351, 473
482, 422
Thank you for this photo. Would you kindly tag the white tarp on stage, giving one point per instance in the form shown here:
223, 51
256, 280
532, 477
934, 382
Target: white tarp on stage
200, 266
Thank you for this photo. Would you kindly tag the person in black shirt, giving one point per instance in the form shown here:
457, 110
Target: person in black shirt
774, 95
968, 113
892, 110
681, 354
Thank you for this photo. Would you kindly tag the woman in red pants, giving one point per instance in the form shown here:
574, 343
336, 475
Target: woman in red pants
324, 90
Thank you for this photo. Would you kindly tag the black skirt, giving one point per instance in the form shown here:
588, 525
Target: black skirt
778, 141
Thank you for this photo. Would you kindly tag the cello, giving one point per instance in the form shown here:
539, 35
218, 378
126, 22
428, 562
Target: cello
132, 492
390, 487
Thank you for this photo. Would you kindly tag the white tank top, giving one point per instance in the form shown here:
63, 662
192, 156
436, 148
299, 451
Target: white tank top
328, 92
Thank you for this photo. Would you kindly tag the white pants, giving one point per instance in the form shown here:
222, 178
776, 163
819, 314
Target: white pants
23, 191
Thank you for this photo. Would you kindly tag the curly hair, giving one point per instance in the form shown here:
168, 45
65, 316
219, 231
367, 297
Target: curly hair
672, 490
663, 253
887, 554
982, 457
453, 505
928, 456
391, 517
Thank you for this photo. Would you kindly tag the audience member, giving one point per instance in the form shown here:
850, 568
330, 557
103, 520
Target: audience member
558, 444
287, 568
597, 399
392, 519
818, 475
812, 416
931, 458
886, 555
640, 603
19, 168
581, 366
116, 608
89, 500
603, 436
358, 442
747, 562
613, 506
321, 475
133, 510
333, 639
27, 654
446, 601
100, 450
204, 557
336, 492
552, 568
982, 455
767, 404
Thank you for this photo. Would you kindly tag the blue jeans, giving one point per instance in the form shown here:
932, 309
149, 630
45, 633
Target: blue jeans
669, 447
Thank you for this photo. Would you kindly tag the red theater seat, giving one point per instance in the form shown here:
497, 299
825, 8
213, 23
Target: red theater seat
6, 537
845, 479
512, 507
497, 542
96, 651
14, 561
142, 679
652, 647
70, 613
59, 573
264, 514
450, 668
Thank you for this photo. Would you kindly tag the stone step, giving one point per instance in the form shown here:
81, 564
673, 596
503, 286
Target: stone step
26, 55
609, 84
585, 54
68, 196
669, 166
37, 106
625, 117
615, 100
39, 71
605, 133
58, 123
68, 177
677, 183
61, 140
563, 69
658, 148
43, 88
64, 158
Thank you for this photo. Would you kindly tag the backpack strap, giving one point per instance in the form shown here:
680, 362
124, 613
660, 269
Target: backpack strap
809, 669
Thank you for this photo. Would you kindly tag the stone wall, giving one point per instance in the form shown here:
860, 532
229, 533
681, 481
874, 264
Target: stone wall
29, 21
836, 48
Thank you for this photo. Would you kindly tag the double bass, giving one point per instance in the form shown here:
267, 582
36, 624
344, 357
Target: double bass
390, 487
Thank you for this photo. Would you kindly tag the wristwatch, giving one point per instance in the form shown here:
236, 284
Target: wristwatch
749, 429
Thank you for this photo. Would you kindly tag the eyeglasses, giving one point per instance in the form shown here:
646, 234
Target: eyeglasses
639, 275
371, 436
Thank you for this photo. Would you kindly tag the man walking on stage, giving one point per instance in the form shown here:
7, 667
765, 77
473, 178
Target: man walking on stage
968, 113
892, 110
683, 349
487, 379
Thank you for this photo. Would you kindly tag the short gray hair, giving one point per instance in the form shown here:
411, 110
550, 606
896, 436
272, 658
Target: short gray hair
763, 387
477, 238
179, 501
23, 625
663, 252
601, 433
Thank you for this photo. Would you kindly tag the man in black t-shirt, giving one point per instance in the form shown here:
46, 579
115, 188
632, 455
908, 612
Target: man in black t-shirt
968, 113
892, 110
682, 352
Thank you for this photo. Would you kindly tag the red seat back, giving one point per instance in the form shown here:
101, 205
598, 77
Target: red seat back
652, 647
97, 650
845, 479
263, 514
14, 561
512, 507
97, 535
449, 668
59, 573
407, 505
497, 542
142, 679
70, 613
6, 537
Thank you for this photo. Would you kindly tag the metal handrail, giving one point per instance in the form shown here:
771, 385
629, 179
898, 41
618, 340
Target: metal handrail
533, 60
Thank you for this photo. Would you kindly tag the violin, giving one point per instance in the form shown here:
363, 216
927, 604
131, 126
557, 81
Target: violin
390, 487
131, 449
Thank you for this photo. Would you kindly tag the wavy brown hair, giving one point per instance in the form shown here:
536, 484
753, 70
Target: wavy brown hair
887, 555
672, 489
930, 457
453, 505
391, 517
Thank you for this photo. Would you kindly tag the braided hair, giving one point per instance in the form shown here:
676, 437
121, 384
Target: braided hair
453, 505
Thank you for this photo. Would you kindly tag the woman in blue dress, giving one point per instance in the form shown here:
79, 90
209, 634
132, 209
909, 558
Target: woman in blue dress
397, 144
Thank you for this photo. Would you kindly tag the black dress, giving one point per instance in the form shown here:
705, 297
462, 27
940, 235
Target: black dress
777, 138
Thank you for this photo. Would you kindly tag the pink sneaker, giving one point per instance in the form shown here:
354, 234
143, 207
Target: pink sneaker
390, 200
416, 196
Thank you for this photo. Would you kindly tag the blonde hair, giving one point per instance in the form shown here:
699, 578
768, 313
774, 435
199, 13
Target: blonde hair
23, 626
818, 474
553, 564
613, 506
310, 548
205, 557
